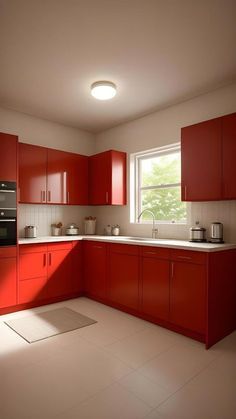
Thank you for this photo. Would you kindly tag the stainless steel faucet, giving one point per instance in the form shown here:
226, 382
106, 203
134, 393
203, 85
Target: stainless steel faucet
154, 229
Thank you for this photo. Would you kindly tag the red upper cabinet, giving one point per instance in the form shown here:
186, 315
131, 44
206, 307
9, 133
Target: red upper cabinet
208, 164
77, 181
32, 173
107, 178
57, 177
8, 150
201, 161
52, 176
229, 153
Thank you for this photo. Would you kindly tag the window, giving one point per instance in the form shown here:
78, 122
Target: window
155, 185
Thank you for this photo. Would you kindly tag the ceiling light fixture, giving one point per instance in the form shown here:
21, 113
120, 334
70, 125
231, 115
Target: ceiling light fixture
103, 90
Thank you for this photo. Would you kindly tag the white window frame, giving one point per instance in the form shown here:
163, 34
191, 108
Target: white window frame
136, 188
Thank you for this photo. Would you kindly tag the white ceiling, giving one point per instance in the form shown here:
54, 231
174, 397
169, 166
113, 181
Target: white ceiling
158, 52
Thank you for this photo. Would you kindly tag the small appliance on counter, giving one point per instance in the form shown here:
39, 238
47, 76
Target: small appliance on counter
108, 230
30, 232
197, 233
115, 230
56, 229
216, 233
72, 230
90, 225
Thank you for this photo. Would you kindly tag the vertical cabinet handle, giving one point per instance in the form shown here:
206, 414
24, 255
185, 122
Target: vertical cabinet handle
68, 197
50, 258
172, 269
44, 196
49, 196
44, 259
106, 197
185, 192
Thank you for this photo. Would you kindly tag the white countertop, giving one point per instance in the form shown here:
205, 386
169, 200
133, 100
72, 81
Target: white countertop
142, 241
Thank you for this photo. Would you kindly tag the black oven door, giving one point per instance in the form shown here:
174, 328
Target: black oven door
8, 235
7, 195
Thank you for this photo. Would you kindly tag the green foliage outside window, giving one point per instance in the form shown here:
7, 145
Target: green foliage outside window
165, 201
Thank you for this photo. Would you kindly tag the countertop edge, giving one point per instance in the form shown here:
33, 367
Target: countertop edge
177, 244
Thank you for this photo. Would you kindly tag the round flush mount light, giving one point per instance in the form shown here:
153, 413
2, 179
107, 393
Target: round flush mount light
103, 90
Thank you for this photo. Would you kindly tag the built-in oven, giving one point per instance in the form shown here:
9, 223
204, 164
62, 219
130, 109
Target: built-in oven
8, 225
7, 195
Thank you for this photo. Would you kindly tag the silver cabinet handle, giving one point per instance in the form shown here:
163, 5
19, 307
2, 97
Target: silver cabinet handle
6, 220
7, 191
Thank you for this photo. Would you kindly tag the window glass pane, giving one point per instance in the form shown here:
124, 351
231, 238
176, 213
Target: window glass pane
165, 204
160, 170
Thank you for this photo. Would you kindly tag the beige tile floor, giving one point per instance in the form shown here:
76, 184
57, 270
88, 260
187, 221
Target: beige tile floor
121, 367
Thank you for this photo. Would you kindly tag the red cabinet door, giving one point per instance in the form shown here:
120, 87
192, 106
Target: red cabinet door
124, 275
32, 273
188, 296
76, 278
99, 179
107, 178
59, 272
32, 173
201, 167
57, 177
155, 287
7, 281
229, 153
77, 181
95, 269
8, 152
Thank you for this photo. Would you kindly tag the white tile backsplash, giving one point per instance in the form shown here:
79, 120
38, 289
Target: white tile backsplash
42, 216
205, 212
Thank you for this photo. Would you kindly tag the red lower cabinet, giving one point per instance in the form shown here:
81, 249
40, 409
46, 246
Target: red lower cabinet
7, 277
188, 296
76, 277
155, 287
32, 273
95, 269
124, 275
59, 269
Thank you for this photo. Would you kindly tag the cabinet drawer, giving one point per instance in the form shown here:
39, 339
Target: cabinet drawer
32, 248
188, 256
59, 246
7, 252
155, 252
127, 249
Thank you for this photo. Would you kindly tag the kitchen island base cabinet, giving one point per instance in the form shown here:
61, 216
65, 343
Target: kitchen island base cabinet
7, 277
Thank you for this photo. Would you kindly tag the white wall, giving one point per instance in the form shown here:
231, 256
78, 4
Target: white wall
38, 131
48, 134
162, 128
